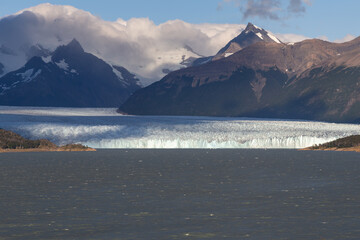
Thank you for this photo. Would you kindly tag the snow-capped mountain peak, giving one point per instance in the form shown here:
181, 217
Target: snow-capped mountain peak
261, 33
253, 28
251, 34
69, 76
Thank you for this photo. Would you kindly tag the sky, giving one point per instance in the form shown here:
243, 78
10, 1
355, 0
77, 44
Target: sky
327, 19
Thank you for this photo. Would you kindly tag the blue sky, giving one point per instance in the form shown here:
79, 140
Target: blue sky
313, 18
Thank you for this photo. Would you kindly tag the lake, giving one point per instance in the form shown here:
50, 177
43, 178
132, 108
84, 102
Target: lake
180, 194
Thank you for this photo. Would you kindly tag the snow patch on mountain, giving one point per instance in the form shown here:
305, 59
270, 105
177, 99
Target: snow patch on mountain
259, 28
29, 75
273, 37
26, 74
63, 65
26, 77
260, 35
118, 73
46, 59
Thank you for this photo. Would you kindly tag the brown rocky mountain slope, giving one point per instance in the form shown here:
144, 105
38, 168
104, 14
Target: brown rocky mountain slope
312, 79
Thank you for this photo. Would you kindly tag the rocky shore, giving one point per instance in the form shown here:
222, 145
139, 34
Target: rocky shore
13, 142
350, 143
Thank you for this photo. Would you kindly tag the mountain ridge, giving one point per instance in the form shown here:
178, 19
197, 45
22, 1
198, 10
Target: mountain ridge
69, 77
312, 79
138, 44
250, 35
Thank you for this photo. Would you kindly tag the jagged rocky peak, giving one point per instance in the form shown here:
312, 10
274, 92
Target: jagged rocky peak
260, 33
252, 34
72, 47
75, 45
34, 62
68, 77
70, 51
252, 27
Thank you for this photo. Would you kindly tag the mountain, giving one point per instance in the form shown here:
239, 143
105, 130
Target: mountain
252, 34
68, 77
312, 79
147, 49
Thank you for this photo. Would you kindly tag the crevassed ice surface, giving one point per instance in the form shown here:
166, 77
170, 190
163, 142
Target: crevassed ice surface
104, 128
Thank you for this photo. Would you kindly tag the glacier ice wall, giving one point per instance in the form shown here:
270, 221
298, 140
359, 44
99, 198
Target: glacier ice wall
104, 128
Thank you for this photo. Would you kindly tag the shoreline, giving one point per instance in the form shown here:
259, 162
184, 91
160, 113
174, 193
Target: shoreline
345, 144
13, 142
354, 149
351, 149
46, 150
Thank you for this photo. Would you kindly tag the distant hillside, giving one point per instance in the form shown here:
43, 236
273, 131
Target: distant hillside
346, 143
10, 141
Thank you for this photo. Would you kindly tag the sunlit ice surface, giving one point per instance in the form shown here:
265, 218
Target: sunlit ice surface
104, 128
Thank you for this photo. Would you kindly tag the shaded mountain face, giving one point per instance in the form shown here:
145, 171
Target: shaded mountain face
37, 51
313, 80
69, 77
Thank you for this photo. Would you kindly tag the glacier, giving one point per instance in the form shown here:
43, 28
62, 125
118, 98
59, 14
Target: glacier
104, 128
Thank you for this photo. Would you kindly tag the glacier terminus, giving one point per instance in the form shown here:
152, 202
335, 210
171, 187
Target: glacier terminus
104, 128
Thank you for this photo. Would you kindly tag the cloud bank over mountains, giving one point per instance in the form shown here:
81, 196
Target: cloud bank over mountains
138, 44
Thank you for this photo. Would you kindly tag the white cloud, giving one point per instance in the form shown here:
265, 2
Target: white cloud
137, 44
290, 38
325, 38
347, 38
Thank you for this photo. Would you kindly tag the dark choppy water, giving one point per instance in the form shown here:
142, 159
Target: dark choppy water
180, 194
